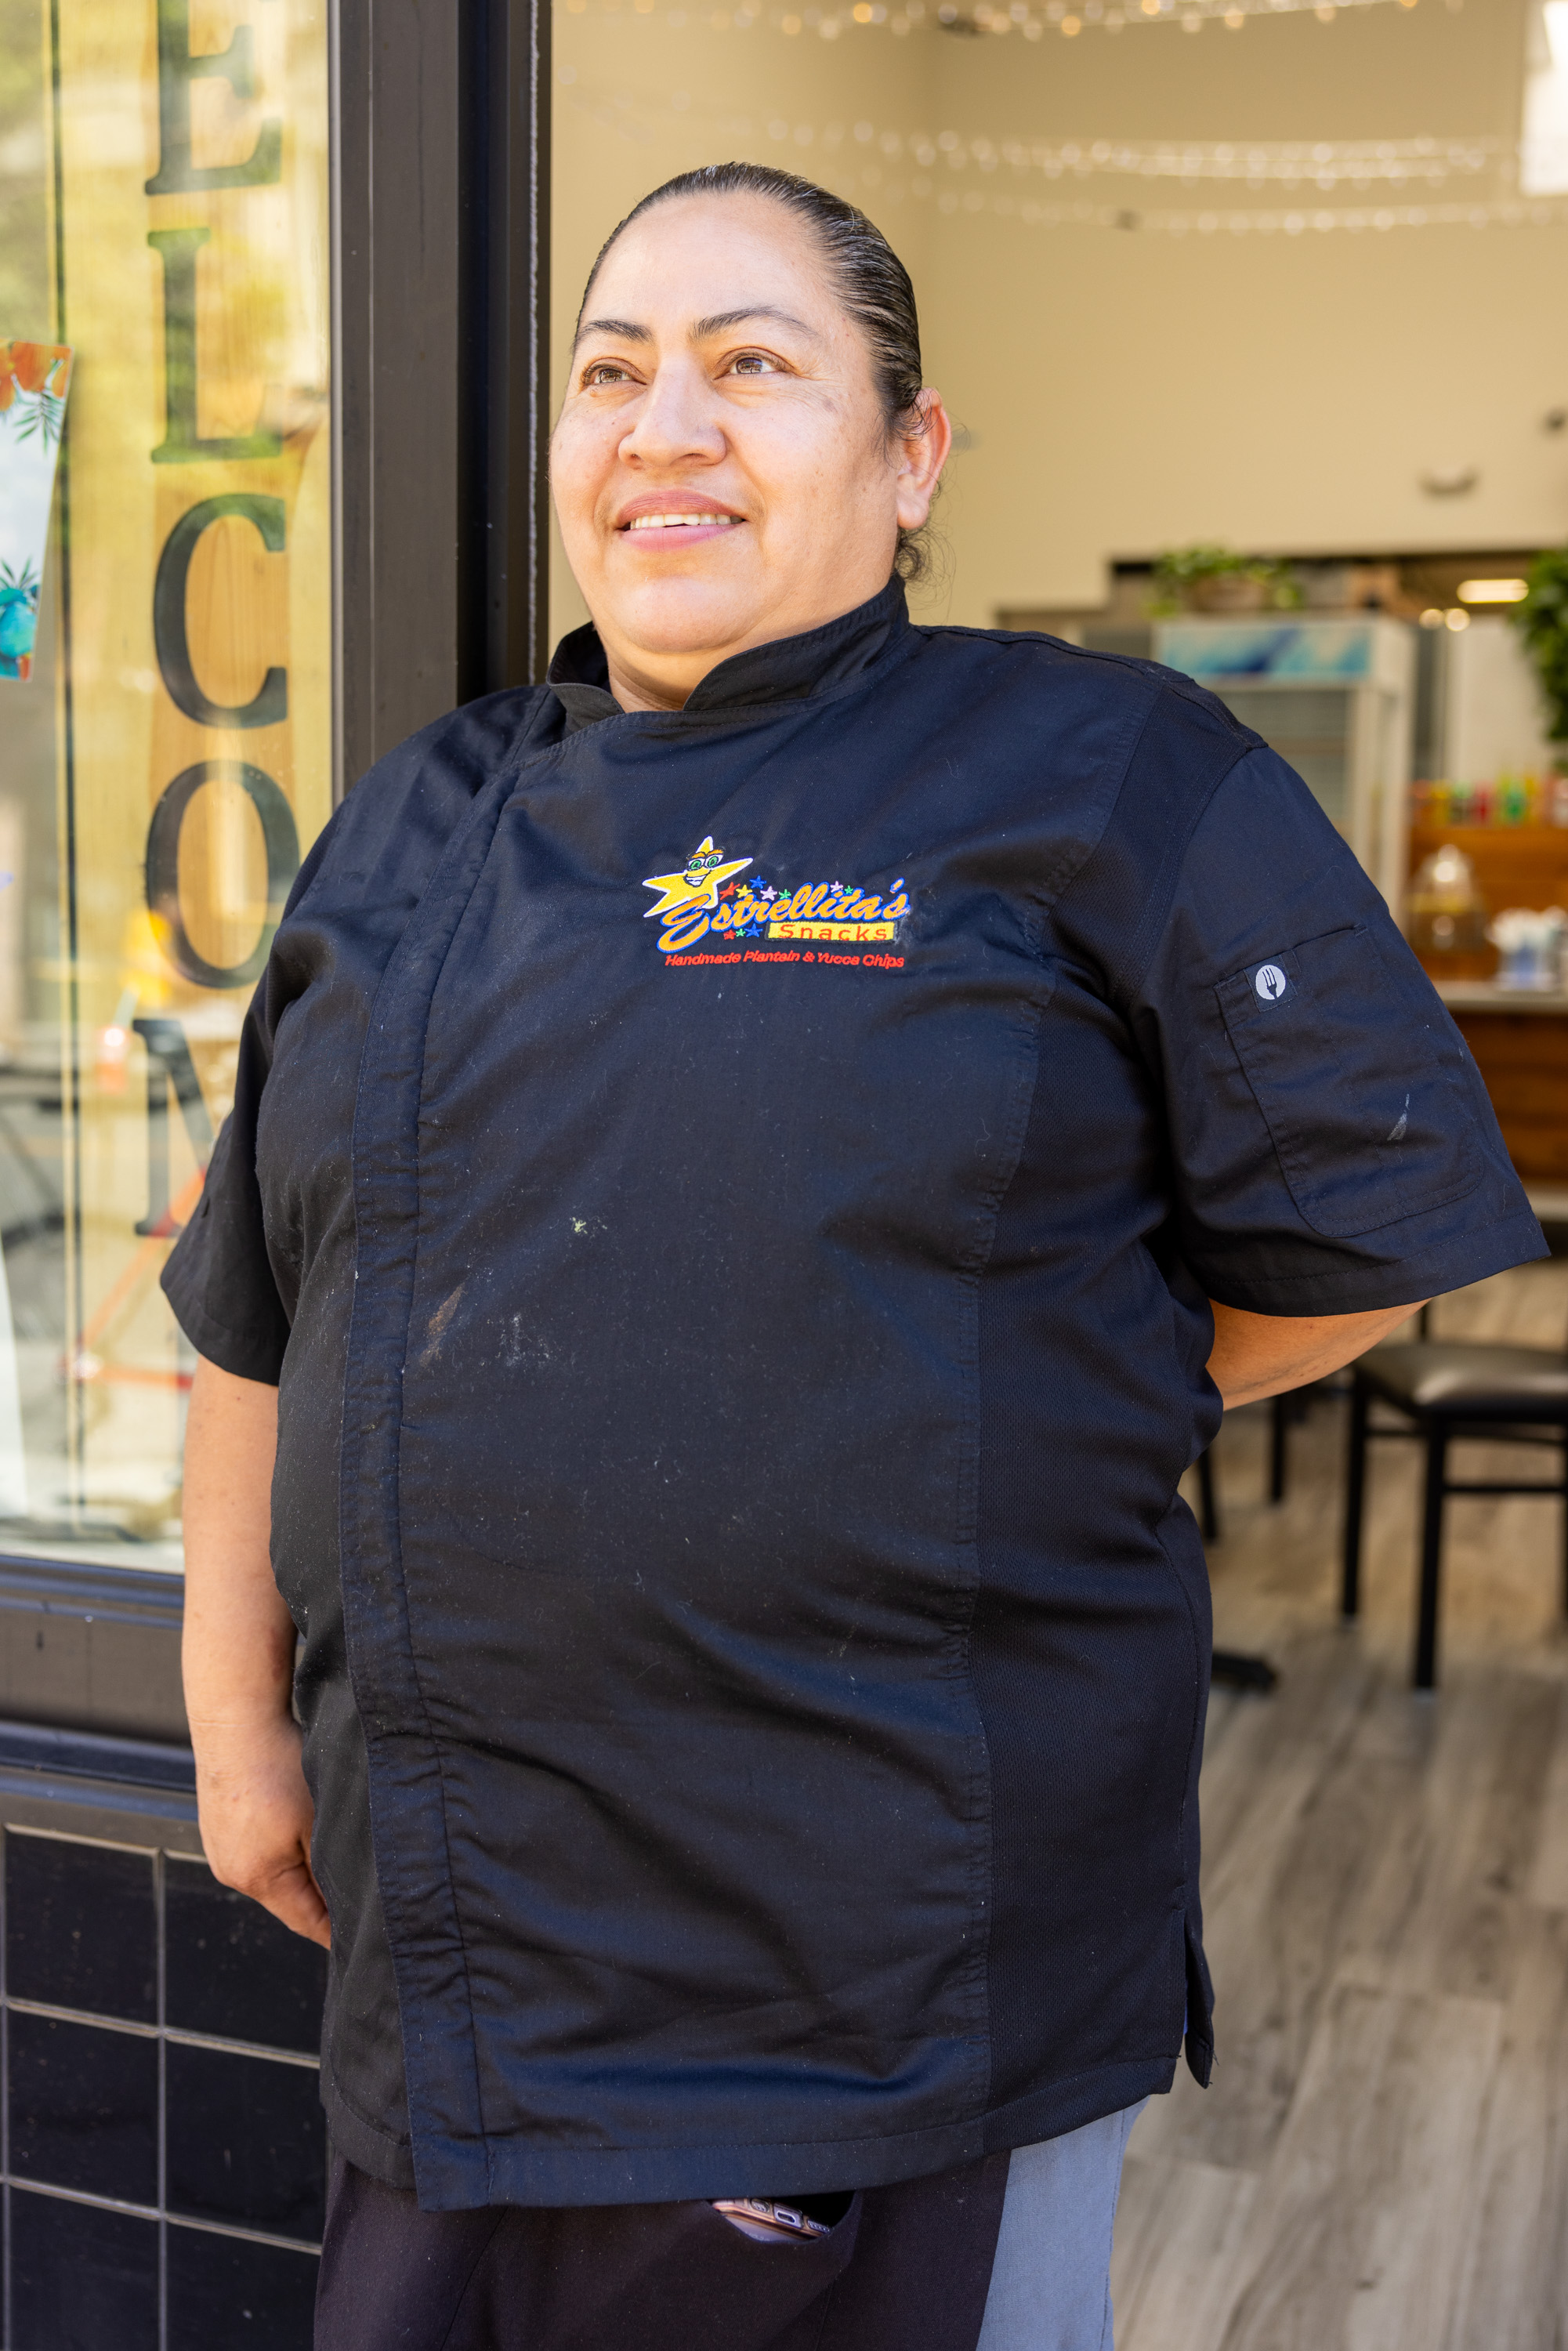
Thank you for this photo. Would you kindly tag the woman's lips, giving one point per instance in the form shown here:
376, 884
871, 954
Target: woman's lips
652, 530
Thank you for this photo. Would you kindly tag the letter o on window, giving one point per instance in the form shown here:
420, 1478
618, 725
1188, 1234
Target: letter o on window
282, 839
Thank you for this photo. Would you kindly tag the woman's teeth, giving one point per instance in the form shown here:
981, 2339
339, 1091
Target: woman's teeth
679, 521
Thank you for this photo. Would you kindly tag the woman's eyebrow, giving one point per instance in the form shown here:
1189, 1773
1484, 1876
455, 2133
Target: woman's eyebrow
722, 321
626, 328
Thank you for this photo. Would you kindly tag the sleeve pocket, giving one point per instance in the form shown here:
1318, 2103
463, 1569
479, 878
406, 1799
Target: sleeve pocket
1357, 1081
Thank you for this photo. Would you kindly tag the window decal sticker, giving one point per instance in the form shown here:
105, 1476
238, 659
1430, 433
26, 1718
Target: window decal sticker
34, 377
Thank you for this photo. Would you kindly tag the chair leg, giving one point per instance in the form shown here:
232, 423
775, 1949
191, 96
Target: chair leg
1210, 1519
1355, 1498
1278, 1424
1425, 1676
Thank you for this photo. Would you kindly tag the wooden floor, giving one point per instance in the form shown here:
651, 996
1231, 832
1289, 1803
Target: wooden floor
1381, 2161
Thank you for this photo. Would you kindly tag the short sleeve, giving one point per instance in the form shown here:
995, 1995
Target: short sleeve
1333, 1148
219, 1278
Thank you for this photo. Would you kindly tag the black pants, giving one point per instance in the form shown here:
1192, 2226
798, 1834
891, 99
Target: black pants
907, 2269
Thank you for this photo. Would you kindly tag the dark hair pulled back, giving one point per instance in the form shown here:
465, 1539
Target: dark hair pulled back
869, 278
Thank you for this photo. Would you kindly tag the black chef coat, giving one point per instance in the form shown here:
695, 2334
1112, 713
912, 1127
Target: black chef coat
728, 1197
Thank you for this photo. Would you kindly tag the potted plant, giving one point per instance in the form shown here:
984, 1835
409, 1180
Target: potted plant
1542, 621
1210, 578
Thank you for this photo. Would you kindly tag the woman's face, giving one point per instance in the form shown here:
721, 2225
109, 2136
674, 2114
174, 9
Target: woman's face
721, 468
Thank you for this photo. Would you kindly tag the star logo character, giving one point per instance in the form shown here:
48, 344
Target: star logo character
697, 885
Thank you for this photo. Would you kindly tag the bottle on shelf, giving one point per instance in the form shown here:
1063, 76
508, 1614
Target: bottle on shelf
1446, 914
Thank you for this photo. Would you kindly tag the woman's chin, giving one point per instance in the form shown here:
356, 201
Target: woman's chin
685, 616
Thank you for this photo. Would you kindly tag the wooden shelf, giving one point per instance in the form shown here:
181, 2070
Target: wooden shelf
1515, 864
1486, 996
1519, 1040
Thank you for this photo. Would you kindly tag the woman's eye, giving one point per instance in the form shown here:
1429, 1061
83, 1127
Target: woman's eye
754, 364
604, 372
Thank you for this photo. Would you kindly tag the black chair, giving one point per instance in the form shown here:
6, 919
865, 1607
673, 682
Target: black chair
1238, 1668
1283, 1410
1290, 1409
1207, 1504
1445, 1390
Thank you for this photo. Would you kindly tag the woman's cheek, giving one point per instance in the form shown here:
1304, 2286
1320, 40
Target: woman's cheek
580, 457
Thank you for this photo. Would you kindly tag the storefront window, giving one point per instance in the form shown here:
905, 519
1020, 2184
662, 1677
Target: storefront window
164, 215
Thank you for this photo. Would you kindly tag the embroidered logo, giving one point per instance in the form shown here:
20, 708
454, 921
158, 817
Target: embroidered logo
696, 888
708, 899
1271, 982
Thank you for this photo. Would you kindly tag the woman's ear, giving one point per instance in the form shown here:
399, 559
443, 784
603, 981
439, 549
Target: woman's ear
921, 449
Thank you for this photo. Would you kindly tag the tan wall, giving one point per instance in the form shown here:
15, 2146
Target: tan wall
1127, 390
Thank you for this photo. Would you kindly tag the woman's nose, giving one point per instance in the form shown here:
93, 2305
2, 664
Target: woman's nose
677, 421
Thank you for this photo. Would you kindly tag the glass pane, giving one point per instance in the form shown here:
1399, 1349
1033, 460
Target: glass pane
163, 212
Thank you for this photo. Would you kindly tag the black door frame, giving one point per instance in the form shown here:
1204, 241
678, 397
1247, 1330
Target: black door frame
441, 178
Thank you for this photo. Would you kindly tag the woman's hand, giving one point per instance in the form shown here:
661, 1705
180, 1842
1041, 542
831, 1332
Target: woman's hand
256, 1816
238, 1657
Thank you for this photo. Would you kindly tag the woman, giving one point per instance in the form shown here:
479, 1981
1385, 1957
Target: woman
741, 1161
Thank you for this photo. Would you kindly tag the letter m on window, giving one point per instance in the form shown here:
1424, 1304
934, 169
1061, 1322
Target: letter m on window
170, 1071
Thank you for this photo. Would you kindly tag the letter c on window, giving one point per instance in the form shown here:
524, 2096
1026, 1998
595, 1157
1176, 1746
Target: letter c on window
270, 704
280, 835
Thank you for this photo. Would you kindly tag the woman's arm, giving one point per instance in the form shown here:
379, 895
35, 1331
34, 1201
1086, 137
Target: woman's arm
1264, 1354
238, 1657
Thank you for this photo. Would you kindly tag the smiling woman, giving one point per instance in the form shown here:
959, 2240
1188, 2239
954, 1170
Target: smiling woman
793, 419
755, 1167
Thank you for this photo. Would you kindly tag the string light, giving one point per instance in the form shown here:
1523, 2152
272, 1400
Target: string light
1321, 162
1033, 19
1257, 221
880, 170
1326, 164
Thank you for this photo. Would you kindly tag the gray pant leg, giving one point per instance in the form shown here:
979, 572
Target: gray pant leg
1050, 2282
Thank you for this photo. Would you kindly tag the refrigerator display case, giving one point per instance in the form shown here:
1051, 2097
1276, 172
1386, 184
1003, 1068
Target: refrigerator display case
1336, 698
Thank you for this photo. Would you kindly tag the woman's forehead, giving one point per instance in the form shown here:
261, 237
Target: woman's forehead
708, 256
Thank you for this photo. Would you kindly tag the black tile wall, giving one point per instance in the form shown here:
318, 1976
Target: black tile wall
84, 2280
246, 2141
153, 1942
81, 1927
225, 2294
84, 2108
232, 1971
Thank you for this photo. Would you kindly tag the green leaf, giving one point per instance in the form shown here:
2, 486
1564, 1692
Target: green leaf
1541, 620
